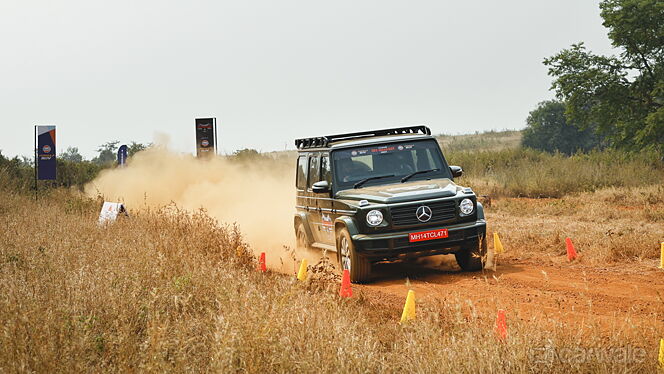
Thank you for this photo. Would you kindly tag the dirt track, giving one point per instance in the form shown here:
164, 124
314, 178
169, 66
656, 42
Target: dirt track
560, 291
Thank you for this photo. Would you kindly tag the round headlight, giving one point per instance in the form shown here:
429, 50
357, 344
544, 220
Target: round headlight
374, 217
466, 207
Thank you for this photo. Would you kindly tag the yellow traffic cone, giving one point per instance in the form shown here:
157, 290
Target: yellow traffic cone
302, 274
661, 257
409, 307
661, 353
497, 245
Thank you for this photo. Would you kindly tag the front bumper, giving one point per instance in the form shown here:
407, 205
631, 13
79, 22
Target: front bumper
396, 245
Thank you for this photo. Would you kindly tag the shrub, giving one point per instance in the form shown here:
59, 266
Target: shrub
19, 175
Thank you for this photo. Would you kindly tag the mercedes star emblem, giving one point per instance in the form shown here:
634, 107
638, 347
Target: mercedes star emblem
423, 213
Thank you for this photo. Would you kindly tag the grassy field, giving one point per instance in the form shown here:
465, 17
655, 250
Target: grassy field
173, 290
611, 225
486, 141
165, 290
495, 164
529, 173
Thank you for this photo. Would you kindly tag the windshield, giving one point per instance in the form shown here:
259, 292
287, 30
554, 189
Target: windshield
388, 163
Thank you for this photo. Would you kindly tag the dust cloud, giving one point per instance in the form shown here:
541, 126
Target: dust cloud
256, 193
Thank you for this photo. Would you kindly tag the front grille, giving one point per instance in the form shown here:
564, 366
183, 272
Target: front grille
441, 211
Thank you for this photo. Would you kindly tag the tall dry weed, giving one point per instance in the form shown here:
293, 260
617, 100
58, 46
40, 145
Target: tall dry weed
174, 291
529, 173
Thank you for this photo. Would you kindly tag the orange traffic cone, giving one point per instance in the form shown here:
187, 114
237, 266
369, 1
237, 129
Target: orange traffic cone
571, 252
501, 325
345, 290
261, 263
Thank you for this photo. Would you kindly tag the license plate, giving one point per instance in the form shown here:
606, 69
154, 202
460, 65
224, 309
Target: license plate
427, 235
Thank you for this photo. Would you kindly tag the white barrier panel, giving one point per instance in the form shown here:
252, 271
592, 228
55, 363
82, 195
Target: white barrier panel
109, 212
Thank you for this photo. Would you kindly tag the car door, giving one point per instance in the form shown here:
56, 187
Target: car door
325, 202
313, 208
302, 172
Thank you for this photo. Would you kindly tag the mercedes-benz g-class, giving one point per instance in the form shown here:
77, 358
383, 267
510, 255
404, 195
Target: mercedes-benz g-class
385, 195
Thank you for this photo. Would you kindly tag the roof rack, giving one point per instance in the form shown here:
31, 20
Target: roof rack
324, 141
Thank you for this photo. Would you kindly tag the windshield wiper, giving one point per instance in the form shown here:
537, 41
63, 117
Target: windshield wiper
407, 177
365, 180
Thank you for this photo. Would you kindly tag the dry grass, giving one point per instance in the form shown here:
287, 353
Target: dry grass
486, 141
610, 225
529, 173
170, 291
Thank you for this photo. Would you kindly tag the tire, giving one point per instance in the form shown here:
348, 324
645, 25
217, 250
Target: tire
301, 236
471, 257
358, 266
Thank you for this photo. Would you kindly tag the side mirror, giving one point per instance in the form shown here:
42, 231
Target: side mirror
456, 171
321, 187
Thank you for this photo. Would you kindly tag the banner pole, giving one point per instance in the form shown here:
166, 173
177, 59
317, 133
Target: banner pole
216, 145
35, 140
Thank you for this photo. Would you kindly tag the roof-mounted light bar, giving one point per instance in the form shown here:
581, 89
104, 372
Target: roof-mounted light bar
324, 141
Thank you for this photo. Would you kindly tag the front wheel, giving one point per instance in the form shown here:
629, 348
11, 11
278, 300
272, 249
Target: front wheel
358, 266
471, 257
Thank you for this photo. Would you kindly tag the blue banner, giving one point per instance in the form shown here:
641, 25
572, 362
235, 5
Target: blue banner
122, 155
46, 165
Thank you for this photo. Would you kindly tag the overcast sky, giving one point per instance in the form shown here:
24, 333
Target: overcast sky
271, 71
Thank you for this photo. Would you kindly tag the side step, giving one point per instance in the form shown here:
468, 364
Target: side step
324, 246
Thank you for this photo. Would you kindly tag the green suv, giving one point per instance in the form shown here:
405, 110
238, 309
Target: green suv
385, 195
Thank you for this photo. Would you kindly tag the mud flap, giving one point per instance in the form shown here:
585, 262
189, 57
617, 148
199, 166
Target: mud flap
307, 228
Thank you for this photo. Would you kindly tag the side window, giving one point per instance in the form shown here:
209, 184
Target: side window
325, 172
313, 169
301, 180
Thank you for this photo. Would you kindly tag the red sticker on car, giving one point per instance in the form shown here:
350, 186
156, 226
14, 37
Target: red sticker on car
427, 235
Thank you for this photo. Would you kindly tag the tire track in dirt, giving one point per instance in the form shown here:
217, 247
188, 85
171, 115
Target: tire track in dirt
557, 292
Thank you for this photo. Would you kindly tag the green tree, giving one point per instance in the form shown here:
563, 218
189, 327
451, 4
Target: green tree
107, 153
71, 154
18, 175
15, 174
135, 147
548, 130
247, 154
72, 173
623, 95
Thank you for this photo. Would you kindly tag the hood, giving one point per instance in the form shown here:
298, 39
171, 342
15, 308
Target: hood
400, 192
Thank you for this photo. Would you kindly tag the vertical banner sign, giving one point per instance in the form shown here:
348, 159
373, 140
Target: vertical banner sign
206, 145
46, 152
122, 155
